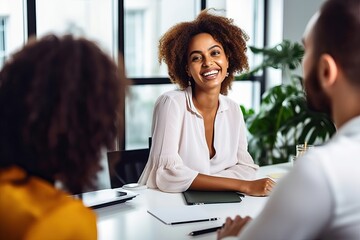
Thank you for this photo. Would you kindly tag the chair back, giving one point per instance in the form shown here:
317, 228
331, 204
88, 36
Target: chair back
126, 166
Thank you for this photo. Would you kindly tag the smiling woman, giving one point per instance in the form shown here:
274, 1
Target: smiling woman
199, 135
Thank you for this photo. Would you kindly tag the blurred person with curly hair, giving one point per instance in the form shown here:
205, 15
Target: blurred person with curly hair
59, 107
198, 133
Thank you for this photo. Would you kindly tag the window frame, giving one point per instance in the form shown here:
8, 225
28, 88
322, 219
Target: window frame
31, 31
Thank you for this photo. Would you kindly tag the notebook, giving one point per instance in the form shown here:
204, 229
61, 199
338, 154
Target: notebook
193, 197
105, 197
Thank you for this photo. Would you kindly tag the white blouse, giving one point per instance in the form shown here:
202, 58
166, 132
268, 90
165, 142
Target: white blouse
179, 151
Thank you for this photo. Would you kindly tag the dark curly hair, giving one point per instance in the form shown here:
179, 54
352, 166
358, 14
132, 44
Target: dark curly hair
60, 100
337, 32
173, 46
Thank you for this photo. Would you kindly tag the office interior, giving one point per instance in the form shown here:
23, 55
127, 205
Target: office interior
133, 28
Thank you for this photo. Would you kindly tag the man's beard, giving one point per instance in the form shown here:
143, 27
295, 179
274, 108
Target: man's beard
317, 100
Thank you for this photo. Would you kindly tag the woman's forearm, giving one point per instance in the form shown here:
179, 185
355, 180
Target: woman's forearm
260, 187
213, 183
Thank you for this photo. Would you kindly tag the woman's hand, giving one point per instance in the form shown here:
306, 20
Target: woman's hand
260, 187
232, 227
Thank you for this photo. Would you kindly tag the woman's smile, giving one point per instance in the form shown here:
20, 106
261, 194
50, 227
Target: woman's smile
211, 74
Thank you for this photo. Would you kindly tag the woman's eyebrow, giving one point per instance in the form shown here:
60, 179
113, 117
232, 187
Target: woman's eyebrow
215, 47
199, 52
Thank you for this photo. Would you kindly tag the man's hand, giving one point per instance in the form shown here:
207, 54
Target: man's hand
232, 227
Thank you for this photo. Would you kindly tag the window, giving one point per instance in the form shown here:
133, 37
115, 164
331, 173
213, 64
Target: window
12, 31
134, 50
132, 27
95, 19
144, 23
139, 108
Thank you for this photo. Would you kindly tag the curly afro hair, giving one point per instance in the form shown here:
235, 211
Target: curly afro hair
173, 46
60, 100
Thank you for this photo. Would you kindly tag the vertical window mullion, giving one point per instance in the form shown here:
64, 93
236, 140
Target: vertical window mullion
31, 17
121, 47
203, 4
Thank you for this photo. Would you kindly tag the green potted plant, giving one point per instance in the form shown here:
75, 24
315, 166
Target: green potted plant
284, 120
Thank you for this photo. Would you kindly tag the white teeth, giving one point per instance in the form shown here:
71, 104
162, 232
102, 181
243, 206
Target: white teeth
211, 72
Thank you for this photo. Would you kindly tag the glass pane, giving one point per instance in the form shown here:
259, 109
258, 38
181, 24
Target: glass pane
246, 93
12, 36
94, 19
139, 110
145, 22
3, 25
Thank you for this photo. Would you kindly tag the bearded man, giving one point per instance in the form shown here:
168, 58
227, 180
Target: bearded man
320, 197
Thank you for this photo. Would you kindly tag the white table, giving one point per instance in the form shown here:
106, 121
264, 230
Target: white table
131, 221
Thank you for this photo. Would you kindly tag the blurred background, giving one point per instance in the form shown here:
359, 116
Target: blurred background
133, 28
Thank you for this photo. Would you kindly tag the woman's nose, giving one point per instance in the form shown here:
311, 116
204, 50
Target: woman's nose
208, 61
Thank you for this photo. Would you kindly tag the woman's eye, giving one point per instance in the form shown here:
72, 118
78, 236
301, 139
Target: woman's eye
196, 58
215, 53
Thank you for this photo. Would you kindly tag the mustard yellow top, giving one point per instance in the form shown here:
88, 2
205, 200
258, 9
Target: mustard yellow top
34, 210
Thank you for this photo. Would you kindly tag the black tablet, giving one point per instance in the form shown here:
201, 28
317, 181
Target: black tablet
193, 197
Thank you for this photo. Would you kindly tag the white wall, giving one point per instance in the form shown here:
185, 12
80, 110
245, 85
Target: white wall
296, 15
287, 20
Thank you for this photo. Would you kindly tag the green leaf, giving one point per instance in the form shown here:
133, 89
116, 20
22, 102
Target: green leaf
284, 55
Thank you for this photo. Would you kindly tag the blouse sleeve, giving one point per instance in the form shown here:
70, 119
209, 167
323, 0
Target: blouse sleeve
165, 168
245, 169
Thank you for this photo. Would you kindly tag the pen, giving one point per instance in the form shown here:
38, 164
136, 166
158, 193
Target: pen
198, 220
203, 231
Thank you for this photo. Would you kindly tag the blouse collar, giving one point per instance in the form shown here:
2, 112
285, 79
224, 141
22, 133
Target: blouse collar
351, 128
223, 105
